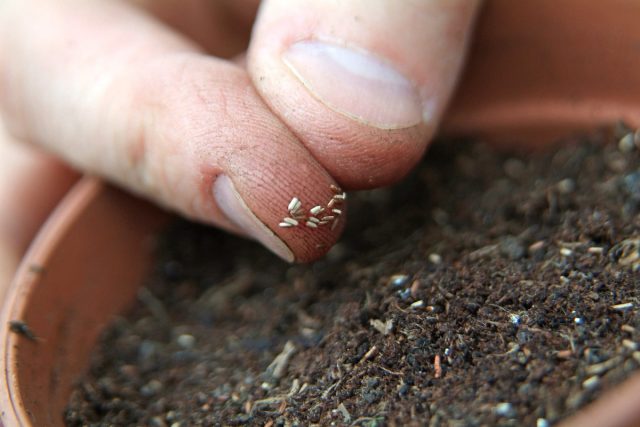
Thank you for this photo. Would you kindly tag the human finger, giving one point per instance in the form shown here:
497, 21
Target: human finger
363, 83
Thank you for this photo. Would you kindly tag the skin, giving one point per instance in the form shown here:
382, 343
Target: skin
164, 97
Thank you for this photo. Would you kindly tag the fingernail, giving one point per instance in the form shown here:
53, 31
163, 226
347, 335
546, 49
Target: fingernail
355, 83
236, 210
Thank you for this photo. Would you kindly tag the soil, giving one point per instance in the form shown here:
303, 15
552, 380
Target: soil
487, 289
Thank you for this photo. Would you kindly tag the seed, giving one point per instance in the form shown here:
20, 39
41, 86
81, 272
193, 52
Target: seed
316, 210
630, 345
339, 197
313, 219
311, 224
331, 203
328, 218
595, 250
294, 205
290, 221
334, 188
336, 211
323, 223
285, 225
335, 224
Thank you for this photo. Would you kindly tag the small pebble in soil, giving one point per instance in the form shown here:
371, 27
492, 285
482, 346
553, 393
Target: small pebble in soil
404, 294
186, 341
505, 409
566, 252
435, 259
398, 280
515, 319
541, 422
566, 186
591, 382
531, 317
417, 304
151, 388
626, 144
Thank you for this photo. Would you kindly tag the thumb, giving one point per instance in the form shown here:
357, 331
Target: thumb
362, 83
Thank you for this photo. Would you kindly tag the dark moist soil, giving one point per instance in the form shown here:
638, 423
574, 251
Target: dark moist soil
487, 289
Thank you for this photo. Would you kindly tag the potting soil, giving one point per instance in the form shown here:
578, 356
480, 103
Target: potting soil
489, 288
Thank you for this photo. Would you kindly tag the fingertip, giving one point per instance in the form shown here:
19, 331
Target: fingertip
363, 84
220, 156
237, 211
302, 231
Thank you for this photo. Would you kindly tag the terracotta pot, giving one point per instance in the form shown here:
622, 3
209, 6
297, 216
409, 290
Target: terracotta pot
538, 69
84, 267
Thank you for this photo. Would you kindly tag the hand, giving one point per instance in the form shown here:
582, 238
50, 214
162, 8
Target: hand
340, 93
31, 184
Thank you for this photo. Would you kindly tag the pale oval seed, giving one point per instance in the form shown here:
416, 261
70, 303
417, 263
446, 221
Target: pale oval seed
290, 221
293, 204
316, 210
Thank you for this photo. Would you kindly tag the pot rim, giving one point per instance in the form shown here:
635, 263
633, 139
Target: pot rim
47, 241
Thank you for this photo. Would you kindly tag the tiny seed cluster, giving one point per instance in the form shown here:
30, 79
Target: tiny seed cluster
317, 216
